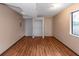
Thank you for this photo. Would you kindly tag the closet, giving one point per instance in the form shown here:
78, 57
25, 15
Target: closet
34, 27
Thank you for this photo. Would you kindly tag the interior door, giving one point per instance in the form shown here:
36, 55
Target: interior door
28, 27
38, 28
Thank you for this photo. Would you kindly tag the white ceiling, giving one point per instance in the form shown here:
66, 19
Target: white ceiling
37, 9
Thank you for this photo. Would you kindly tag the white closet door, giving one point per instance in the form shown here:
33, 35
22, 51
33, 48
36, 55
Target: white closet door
28, 27
38, 28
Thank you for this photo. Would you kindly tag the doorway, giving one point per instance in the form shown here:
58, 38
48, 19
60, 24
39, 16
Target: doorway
28, 27
38, 28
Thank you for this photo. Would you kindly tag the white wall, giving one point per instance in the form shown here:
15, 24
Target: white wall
28, 27
62, 28
48, 25
10, 29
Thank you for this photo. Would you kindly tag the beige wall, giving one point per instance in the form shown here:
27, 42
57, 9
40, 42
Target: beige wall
10, 29
62, 28
48, 25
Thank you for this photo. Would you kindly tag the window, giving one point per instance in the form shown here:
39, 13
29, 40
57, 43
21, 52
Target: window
75, 23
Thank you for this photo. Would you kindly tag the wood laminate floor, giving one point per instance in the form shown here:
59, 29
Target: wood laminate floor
38, 47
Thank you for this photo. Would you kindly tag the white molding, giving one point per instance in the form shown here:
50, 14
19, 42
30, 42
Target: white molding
70, 29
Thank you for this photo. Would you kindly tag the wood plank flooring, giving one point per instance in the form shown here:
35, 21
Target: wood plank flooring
38, 47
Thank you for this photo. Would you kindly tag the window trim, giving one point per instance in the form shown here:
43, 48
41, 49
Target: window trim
71, 24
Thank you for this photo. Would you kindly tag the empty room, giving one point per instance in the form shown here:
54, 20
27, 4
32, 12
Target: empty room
39, 29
